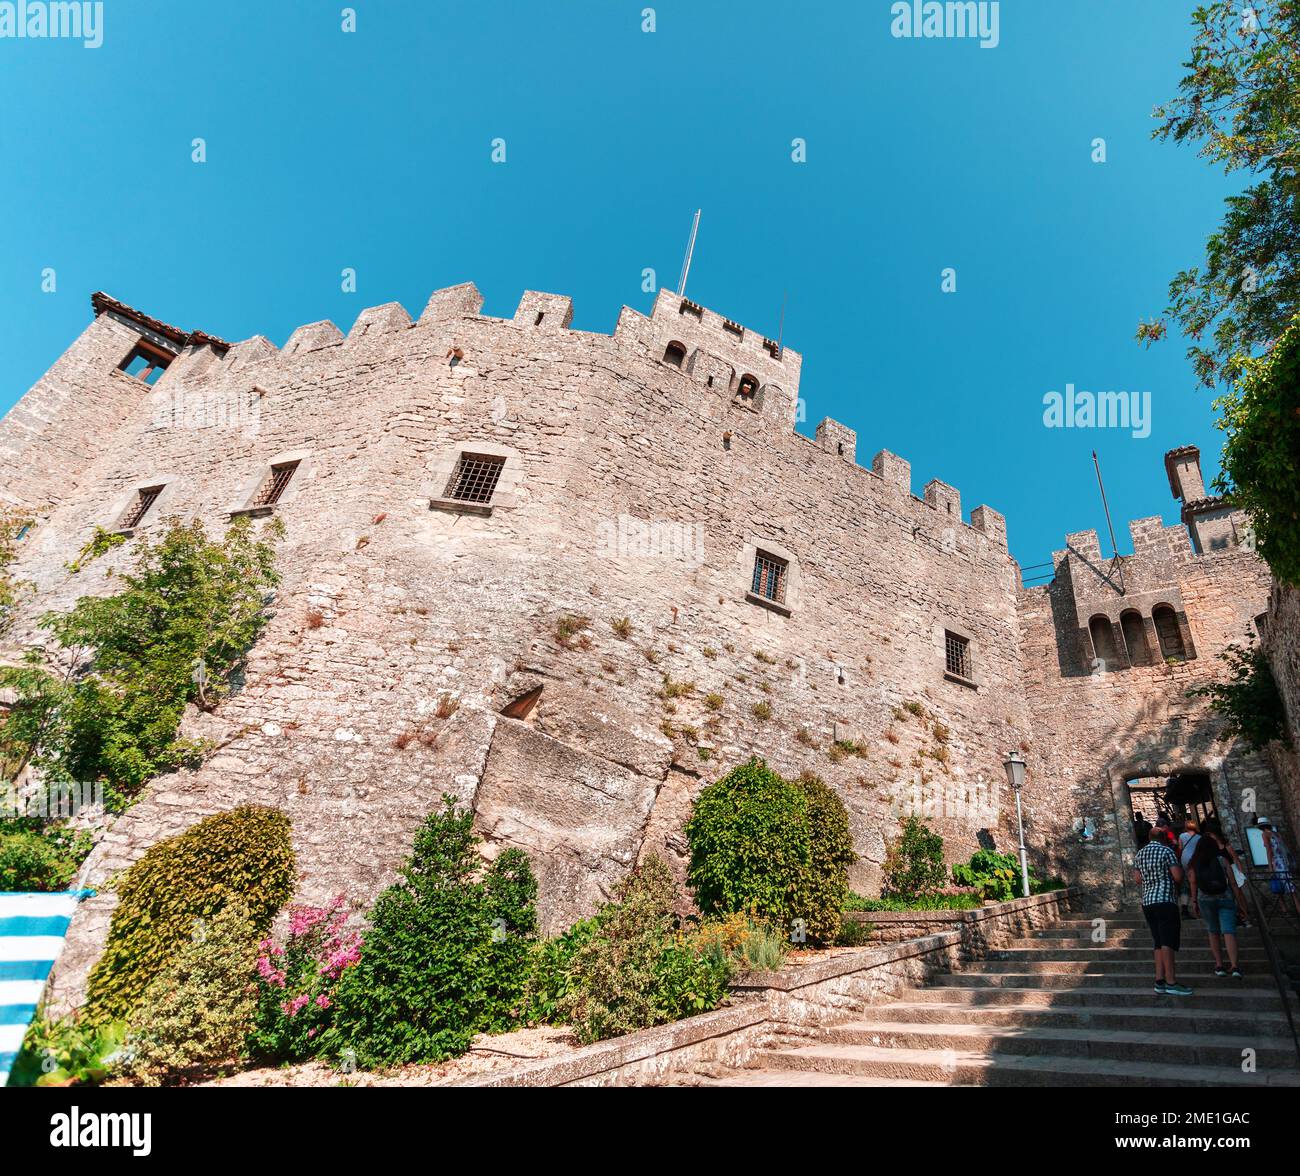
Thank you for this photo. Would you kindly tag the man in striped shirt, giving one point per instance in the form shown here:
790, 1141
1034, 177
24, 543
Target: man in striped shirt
1157, 871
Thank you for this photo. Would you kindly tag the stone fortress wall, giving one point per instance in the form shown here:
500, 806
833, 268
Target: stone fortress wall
422, 647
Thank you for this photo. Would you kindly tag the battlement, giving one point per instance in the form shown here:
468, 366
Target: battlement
748, 368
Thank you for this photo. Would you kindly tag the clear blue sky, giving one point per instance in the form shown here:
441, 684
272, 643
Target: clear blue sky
371, 150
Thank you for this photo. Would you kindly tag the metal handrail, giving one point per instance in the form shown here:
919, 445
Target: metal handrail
1284, 988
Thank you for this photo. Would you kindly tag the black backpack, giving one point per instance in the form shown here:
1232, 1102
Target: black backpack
1210, 878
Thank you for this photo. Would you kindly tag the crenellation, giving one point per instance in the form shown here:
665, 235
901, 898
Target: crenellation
838, 439
380, 320
893, 470
463, 301
548, 312
944, 498
311, 337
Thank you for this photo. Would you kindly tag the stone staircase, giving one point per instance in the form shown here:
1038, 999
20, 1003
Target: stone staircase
1057, 1009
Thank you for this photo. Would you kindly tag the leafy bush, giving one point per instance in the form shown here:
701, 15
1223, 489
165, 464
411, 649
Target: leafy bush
188, 605
750, 844
742, 943
550, 974
12, 525
296, 983
1261, 456
636, 971
196, 1013
67, 1052
819, 897
33, 857
244, 854
995, 875
914, 861
854, 933
430, 974
1249, 700
510, 892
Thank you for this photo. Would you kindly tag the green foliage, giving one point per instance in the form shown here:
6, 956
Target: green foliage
914, 862
550, 974
995, 875
35, 856
1240, 101
245, 854
636, 971
197, 1011
820, 892
444, 956
174, 633
1249, 700
740, 942
750, 844
510, 894
1261, 456
67, 1052
854, 933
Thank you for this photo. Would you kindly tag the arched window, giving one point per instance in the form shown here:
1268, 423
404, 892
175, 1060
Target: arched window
1103, 641
1167, 630
1135, 638
675, 354
748, 387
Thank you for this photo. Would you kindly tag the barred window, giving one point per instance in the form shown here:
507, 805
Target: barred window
144, 500
475, 478
277, 482
956, 651
770, 576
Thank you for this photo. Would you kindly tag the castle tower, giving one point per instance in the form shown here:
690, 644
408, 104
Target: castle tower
1213, 523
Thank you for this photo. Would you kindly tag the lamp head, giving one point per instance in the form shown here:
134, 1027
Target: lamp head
1015, 768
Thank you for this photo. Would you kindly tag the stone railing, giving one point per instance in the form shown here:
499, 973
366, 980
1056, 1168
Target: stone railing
794, 1002
978, 923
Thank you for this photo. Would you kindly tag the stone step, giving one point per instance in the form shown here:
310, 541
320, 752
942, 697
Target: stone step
783, 1077
1026, 977
1065, 950
1195, 1049
1122, 953
966, 1068
1157, 1018
1096, 997
1132, 966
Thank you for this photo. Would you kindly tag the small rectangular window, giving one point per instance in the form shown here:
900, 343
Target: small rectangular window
146, 362
769, 577
957, 655
475, 478
277, 482
143, 503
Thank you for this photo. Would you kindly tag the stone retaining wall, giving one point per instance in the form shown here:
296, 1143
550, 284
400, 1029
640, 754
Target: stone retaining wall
794, 1002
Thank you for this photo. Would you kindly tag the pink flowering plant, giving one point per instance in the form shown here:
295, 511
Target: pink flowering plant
296, 982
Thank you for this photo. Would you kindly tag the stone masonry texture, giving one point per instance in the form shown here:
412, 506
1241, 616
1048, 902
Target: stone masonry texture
577, 657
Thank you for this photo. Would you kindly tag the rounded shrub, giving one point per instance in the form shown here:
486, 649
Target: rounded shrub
914, 862
750, 844
245, 854
824, 886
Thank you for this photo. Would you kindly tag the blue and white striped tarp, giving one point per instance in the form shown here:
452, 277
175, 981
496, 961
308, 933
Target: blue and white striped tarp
32, 928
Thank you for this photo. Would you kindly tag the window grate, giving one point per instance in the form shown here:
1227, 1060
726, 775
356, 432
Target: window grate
475, 478
139, 508
956, 652
276, 484
769, 577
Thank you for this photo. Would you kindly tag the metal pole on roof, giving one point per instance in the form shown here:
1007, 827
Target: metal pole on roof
690, 250
1114, 549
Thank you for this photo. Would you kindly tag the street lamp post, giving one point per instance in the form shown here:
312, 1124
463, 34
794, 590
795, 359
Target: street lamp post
1015, 768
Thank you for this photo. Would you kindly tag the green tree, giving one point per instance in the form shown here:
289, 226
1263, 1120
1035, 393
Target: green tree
750, 844
1239, 101
13, 523
175, 632
914, 861
1261, 456
825, 885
